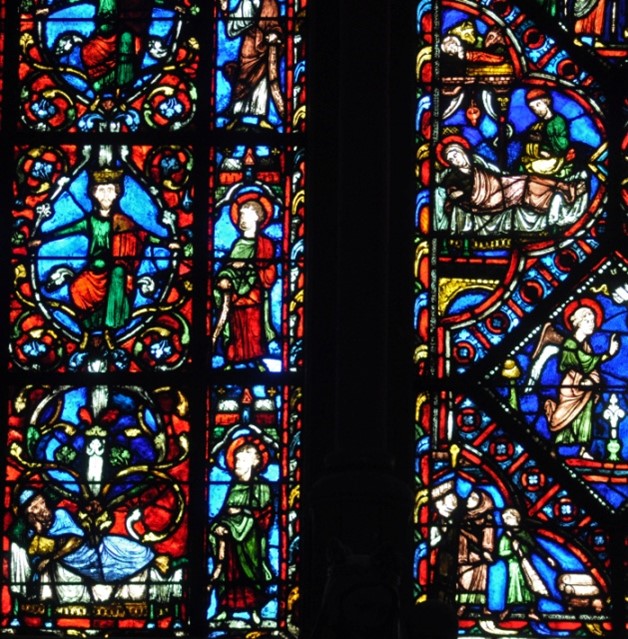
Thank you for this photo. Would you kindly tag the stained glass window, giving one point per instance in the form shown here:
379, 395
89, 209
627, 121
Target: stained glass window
155, 302
520, 315
600, 24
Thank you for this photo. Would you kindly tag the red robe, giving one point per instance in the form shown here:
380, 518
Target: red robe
100, 54
252, 65
248, 321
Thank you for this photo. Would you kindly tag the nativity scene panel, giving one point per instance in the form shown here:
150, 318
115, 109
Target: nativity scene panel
520, 316
512, 175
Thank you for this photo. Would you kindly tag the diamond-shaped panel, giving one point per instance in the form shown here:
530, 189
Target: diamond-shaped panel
567, 381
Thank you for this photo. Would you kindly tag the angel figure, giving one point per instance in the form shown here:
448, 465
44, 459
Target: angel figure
570, 416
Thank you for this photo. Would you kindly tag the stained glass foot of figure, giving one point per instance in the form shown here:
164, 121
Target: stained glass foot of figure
221, 616
255, 618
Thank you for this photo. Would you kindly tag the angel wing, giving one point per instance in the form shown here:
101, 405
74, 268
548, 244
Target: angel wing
548, 345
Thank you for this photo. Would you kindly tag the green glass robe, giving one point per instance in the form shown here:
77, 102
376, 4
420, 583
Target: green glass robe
241, 585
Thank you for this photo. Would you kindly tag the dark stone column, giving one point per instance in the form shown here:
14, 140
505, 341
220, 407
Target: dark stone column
359, 400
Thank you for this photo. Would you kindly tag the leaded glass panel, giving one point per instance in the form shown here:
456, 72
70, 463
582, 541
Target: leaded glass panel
97, 65
257, 266
520, 316
254, 493
153, 240
97, 499
101, 250
260, 65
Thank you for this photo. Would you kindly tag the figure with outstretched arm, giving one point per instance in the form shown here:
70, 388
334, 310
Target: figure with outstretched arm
101, 292
111, 55
570, 417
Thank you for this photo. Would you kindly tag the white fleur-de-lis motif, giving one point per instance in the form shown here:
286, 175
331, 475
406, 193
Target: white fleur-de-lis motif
614, 413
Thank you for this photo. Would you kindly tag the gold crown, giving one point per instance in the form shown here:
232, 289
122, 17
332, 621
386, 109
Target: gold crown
107, 176
96, 431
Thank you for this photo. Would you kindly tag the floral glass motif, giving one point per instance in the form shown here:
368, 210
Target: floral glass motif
260, 65
254, 481
257, 269
96, 533
520, 319
107, 65
101, 250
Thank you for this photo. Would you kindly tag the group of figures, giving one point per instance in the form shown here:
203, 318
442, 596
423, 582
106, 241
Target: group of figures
521, 315
105, 269
59, 556
121, 64
517, 153
505, 567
